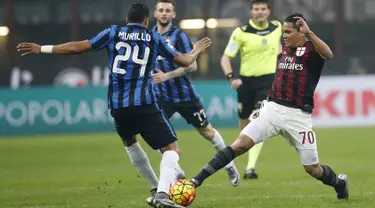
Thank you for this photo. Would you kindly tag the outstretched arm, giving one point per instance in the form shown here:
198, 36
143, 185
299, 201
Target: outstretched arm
75, 47
183, 60
160, 76
187, 59
100, 41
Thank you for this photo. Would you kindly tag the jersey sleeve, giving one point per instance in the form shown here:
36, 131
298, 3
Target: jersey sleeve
234, 43
101, 40
163, 48
280, 31
183, 43
279, 27
319, 58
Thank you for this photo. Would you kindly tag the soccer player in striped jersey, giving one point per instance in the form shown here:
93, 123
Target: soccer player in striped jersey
175, 92
289, 107
132, 51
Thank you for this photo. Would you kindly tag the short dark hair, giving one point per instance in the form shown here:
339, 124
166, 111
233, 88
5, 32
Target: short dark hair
252, 2
291, 19
167, 1
138, 12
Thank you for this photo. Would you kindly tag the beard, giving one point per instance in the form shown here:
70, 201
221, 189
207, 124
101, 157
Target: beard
164, 24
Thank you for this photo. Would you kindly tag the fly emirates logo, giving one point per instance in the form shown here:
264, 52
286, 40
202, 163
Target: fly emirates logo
289, 63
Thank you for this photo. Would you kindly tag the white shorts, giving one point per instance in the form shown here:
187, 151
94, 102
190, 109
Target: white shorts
293, 124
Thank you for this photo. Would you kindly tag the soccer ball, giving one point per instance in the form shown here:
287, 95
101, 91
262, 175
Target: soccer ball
182, 192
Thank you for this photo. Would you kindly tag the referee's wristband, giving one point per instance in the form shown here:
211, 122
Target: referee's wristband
229, 76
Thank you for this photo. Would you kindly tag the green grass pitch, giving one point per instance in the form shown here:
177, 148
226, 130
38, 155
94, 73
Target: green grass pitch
93, 170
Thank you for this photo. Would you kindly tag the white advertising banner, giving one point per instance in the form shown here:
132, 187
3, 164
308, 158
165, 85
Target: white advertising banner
345, 101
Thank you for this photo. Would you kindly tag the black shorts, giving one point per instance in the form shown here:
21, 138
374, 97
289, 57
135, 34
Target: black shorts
149, 120
252, 92
192, 111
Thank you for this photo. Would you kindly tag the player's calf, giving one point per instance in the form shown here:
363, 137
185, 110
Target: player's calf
168, 166
223, 157
217, 141
207, 132
141, 163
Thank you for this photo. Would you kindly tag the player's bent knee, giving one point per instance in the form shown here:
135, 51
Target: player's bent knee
129, 142
243, 144
171, 147
244, 122
253, 132
314, 170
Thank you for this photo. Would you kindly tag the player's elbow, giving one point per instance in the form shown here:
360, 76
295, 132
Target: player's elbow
329, 56
184, 63
79, 47
75, 49
194, 67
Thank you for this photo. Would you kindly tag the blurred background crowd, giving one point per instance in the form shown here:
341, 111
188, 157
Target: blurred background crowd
346, 25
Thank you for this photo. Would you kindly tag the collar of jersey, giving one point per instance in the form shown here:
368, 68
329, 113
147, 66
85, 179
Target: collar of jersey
135, 24
251, 22
169, 30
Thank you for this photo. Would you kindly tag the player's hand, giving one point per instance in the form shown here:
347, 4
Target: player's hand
160, 76
28, 48
202, 44
303, 27
236, 83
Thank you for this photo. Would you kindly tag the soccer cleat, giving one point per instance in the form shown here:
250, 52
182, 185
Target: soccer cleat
250, 174
195, 182
162, 201
234, 175
150, 200
342, 191
181, 174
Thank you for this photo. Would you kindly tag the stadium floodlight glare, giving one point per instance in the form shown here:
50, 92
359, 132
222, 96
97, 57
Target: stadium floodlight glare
222, 23
212, 23
4, 30
192, 24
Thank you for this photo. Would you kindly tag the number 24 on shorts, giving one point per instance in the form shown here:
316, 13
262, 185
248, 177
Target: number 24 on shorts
308, 136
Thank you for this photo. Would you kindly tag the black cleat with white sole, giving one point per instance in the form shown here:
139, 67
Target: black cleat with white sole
342, 190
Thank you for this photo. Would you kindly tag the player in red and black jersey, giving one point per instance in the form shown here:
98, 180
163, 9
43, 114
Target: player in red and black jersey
299, 68
289, 107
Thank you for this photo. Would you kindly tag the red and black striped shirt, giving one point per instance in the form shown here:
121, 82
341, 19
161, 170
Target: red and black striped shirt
298, 73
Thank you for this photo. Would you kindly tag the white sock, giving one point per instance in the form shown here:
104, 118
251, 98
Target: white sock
140, 161
219, 144
178, 168
168, 170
